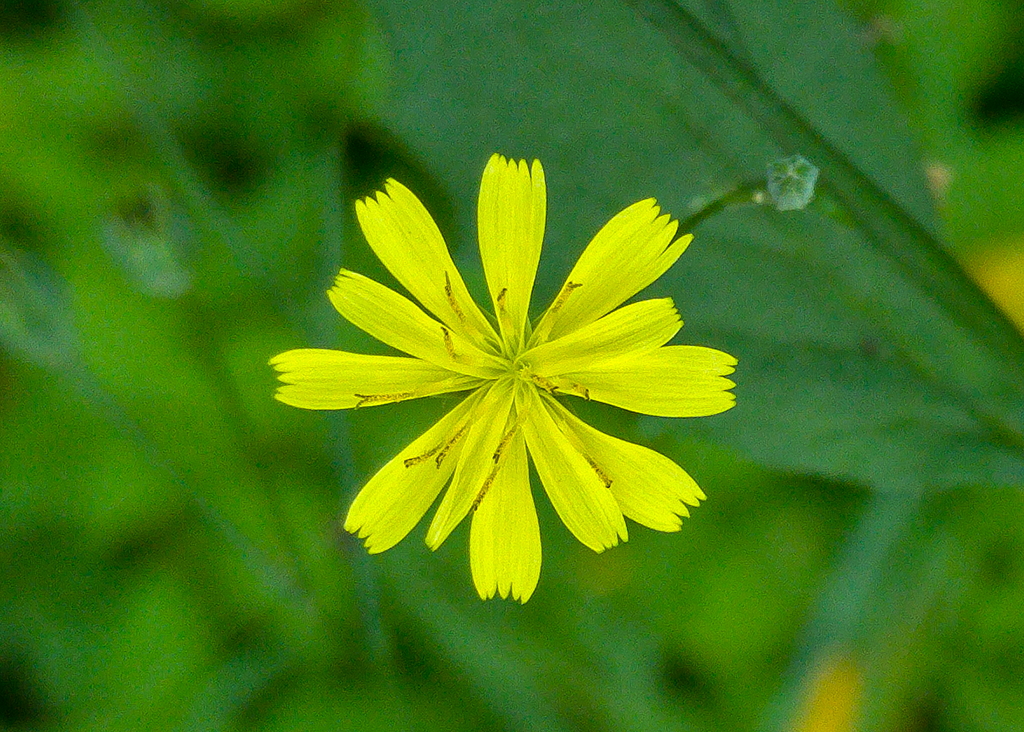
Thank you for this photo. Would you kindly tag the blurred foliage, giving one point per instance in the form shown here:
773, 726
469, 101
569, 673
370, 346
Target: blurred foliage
958, 68
176, 183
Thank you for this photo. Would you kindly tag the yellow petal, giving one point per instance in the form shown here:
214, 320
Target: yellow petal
510, 219
478, 465
504, 541
405, 238
630, 330
629, 253
649, 487
395, 499
399, 322
316, 378
579, 493
672, 381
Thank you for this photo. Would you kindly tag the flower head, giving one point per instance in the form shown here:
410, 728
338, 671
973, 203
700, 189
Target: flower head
583, 346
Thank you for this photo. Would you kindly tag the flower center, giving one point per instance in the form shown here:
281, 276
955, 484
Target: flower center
519, 368
522, 371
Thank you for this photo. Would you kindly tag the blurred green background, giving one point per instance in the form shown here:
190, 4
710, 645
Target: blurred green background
176, 188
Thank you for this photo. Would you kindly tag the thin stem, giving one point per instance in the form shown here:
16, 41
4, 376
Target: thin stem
744, 194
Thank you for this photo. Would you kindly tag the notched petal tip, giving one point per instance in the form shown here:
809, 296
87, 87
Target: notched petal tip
650, 204
683, 242
372, 548
519, 594
621, 538
333, 291
344, 274
283, 398
522, 595
694, 497
727, 402
527, 169
368, 208
718, 362
492, 591
519, 591
361, 532
385, 191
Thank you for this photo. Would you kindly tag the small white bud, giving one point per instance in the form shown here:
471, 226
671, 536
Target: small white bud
791, 182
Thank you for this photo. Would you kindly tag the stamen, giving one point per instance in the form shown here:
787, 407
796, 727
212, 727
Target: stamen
575, 441
499, 453
448, 344
505, 439
577, 389
504, 317
451, 298
600, 473
552, 386
447, 448
563, 296
548, 319
546, 384
485, 487
365, 399
409, 462
441, 450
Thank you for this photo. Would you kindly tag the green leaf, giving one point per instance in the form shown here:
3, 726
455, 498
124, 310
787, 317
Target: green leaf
865, 353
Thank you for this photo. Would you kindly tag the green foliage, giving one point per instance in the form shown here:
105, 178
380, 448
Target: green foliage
889, 366
959, 70
34, 319
175, 197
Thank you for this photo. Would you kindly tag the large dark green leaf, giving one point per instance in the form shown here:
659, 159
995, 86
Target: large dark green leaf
864, 352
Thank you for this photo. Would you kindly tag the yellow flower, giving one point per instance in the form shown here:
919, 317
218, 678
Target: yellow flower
584, 346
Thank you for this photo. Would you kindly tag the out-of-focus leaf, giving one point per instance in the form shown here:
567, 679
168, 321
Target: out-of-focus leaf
864, 352
146, 245
958, 64
35, 311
